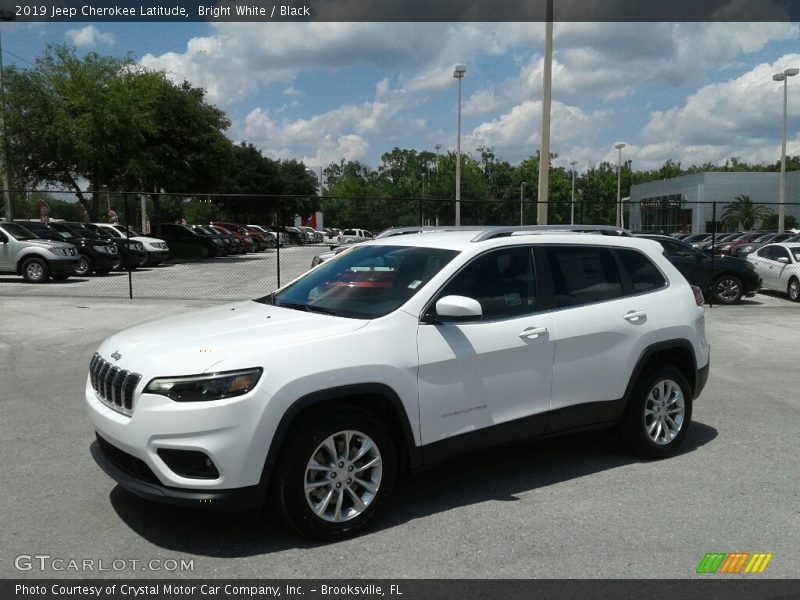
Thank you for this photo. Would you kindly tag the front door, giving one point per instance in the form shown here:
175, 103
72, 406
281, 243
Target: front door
474, 375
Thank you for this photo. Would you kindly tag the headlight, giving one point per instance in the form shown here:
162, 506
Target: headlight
59, 251
199, 388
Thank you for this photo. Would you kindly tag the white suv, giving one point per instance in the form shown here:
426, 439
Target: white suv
445, 342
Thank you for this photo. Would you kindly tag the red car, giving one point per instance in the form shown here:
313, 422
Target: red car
251, 241
729, 248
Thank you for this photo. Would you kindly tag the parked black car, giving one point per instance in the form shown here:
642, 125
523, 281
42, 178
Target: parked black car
730, 279
186, 243
95, 255
132, 253
227, 247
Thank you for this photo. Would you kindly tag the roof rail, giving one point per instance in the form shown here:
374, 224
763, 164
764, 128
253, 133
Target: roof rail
394, 231
495, 232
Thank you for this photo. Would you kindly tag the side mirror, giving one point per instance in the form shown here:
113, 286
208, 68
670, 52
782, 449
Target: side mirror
783, 259
458, 308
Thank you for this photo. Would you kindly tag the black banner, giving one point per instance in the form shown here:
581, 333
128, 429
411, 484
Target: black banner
399, 10
402, 589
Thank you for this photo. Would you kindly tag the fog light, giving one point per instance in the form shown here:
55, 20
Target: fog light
189, 463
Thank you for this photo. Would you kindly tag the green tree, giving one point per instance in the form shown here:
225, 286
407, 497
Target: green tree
743, 213
68, 119
771, 222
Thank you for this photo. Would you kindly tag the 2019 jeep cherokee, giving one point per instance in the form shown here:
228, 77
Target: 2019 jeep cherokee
446, 342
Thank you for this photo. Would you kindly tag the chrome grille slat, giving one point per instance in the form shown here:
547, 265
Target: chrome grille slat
114, 386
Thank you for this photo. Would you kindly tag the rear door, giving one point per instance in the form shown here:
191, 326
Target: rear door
605, 305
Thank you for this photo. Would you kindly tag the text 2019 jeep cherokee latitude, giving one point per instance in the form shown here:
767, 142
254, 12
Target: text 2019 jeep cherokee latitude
442, 342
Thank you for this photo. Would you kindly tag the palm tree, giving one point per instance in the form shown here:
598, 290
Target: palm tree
742, 213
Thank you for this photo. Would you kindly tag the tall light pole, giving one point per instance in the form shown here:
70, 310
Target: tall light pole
784, 77
458, 73
438, 147
3, 143
521, 198
572, 164
619, 147
543, 195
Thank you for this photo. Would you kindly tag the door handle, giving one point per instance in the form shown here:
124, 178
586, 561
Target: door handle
634, 316
532, 333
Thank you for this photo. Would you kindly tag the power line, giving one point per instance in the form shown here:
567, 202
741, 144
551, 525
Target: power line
18, 57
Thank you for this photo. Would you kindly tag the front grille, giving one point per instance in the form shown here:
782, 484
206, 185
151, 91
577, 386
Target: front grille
113, 385
135, 467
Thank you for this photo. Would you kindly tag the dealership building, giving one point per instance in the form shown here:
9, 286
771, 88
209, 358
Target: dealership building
686, 204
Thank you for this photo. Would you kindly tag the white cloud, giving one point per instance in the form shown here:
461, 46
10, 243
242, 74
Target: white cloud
89, 37
740, 117
601, 71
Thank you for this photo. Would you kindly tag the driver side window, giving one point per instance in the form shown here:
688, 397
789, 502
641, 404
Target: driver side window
502, 282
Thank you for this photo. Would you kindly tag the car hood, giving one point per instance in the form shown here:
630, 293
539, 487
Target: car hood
49, 243
146, 240
223, 337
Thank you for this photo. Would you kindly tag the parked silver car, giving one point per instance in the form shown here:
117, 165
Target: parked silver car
24, 253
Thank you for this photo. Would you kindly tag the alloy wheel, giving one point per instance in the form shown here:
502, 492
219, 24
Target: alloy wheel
343, 476
664, 411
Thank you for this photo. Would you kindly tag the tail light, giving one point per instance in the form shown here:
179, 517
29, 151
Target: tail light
698, 296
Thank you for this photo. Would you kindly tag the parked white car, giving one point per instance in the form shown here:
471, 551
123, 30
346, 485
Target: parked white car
446, 342
157, 250
779, 268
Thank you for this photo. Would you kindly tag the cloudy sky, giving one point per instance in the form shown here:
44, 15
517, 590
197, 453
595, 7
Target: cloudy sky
320, 92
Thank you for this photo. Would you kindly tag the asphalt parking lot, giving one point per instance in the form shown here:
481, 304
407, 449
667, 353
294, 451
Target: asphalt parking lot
571, 507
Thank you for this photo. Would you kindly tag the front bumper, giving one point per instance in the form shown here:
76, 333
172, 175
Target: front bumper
104, 260
157, 256
134, 475
65, 265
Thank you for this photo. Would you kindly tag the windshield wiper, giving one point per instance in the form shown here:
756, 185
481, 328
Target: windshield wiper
307, 308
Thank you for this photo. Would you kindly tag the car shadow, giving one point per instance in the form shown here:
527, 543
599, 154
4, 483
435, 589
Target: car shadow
470, 479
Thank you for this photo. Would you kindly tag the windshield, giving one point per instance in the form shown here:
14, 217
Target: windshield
20, 233
363, 283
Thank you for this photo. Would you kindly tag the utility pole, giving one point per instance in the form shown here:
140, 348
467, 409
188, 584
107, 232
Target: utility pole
544, 152
3, 140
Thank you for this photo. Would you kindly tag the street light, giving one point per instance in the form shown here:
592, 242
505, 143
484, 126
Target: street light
572, 164
458, 73
521, 197
784, 77
619, 147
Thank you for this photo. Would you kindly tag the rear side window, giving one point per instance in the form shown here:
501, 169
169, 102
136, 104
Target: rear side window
644, 275
583, 275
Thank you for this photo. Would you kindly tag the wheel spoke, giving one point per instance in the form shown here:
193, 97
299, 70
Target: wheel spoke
367, 485
337, 514
651, 427
313, 485
323, 505
365, 447
315, 466
368, 465
330, 446
357, 502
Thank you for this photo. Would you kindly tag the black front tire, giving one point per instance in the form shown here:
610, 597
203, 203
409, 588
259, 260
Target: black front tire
293, 472
641, 426
727, 289
85, 266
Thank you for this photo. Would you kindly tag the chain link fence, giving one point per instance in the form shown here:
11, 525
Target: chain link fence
231, 247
